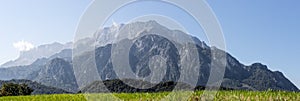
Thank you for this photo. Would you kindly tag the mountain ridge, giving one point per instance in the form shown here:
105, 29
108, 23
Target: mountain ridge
42, 51
237, 75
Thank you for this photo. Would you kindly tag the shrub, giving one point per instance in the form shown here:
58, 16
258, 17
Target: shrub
11, 89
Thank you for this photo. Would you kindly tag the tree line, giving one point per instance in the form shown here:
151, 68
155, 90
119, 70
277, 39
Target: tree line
11, 89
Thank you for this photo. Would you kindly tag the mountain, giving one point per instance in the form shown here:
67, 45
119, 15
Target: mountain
263, 79
65, 54
30, 71
57, 73
21, 72
43, 51
37, 87
148, 55
238, 76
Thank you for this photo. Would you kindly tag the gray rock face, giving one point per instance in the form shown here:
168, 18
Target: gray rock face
19, 72
30, 71
237, 75
103, 63
148, 47
58, 73
261, 78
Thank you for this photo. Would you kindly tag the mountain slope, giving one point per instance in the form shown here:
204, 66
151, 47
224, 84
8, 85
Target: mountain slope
58, 73
30, 71
264, 79
237, 75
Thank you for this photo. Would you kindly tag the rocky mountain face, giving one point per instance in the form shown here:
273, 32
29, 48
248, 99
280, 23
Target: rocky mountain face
21, 72
43, 51
148, 55
237, 75
26, 72
262, 78
57, 73
139, 58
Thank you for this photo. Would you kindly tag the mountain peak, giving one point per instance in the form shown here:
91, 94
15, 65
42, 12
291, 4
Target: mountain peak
259, 66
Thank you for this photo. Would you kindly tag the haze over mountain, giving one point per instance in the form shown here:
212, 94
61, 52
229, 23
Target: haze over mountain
57, 71
43, 51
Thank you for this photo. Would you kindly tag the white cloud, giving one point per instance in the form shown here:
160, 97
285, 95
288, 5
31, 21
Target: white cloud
114, 23
23, 45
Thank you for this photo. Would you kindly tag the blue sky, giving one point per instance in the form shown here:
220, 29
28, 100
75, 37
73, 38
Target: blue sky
264, 31
255, 31
38, 22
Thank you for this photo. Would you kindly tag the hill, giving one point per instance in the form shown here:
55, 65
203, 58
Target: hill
37, 87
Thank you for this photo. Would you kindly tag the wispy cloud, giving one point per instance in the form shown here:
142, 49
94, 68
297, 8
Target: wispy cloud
23, 45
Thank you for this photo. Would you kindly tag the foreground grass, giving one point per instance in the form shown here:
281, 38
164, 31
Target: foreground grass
220, 96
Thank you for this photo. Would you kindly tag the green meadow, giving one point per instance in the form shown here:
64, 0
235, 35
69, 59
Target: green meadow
195, 96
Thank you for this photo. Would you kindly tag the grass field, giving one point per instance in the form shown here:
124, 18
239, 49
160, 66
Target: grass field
220, 96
